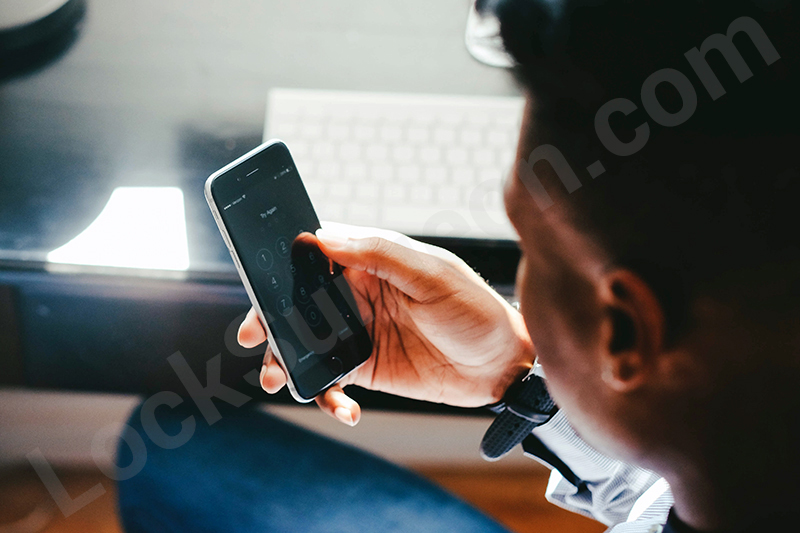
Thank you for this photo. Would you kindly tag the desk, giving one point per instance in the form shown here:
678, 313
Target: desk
161, 94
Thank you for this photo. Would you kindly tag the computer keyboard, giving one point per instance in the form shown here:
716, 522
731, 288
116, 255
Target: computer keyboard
426, 165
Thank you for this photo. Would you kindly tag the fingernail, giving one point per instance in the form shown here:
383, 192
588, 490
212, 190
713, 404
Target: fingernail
331, 239
261, 377
344, 415
239, 334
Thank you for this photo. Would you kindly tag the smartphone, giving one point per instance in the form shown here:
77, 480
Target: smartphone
307, 308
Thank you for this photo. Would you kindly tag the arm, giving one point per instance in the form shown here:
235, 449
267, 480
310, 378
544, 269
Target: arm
442, 334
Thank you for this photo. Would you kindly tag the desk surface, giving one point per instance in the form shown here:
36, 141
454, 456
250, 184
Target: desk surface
161, 94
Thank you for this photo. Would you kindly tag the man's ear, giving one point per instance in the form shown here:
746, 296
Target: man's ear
633, 331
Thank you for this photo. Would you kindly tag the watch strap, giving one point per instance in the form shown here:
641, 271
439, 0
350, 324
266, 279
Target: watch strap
526, 405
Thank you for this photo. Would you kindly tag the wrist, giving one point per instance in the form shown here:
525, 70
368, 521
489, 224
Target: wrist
519, 364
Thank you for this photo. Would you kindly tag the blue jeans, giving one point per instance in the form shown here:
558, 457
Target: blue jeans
251, 472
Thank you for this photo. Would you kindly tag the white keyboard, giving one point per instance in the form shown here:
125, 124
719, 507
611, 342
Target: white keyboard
428, 165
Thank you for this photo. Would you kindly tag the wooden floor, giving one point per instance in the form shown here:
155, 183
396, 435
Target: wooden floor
26, 506
515, 499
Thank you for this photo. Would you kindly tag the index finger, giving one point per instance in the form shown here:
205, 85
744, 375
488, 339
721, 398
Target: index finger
416, 271
251, 332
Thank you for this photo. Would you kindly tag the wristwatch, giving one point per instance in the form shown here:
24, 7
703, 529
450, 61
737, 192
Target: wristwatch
526, 405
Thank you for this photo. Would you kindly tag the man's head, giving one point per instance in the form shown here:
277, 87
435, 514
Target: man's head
659, 284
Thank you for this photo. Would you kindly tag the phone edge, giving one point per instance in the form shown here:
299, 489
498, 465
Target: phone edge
238, 263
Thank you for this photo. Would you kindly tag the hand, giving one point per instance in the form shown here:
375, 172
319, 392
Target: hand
440, 333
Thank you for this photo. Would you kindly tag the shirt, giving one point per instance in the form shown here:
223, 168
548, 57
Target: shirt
626, 498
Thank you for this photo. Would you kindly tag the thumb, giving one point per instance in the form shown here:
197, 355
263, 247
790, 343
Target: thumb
415, 268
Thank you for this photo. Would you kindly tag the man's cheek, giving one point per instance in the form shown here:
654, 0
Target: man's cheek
519, 281
533, 309
525, 294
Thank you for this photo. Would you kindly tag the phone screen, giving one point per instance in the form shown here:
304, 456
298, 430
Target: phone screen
308, 305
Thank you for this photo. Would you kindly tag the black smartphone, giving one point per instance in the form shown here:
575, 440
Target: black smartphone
267, 221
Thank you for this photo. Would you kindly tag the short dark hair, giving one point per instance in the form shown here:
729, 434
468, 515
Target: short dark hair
705, 204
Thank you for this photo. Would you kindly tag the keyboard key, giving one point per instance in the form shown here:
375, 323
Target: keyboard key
322, 150
454, 222
486, 202
311, 131
498, 138
329, 171
394, 116
364, 133
403, 153
493, 199
450, 117
369, 114
479, 118
463, 176
314, 110
418, 135
391, 134
448, 196
506, 157
362, 214
418, 220
457, 156
340, 190
350, 151
409, 173
507, 121
341, 114
376, 152
288, 130
394, 193
315, 188
483, 157
492, 173
367, 191
470, 137
328, 210
355, 172
422, 118
338, 132
430, 155
435, 174
381, 172
444, 136
299, 148
421, 194
305, 167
